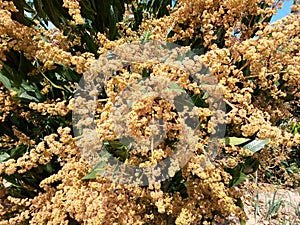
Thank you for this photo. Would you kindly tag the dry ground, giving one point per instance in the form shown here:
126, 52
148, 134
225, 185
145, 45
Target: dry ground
272, 205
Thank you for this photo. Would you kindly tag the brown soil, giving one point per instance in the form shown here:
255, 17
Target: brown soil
272, 205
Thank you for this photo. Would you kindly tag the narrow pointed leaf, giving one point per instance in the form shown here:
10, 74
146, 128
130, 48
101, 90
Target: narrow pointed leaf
4, 156
5, 81
235, 140
256, 145
239, 179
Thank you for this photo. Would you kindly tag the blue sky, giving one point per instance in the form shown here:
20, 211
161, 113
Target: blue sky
284, 11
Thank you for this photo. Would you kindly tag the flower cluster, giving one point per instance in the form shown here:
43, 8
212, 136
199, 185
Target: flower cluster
54, 108
254, 63
74, 10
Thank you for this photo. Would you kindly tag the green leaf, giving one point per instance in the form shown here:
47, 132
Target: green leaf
145, 73
12, 74
239, 203
48, 167
205, 95
181, 101
27, 90
146, 37
242, 222
176, 87
38, 5
27, 86
235, 140
52, 14
237, 175
5, 81
87, 9
91, 175
239, 179
18, 151
12, 179
4, 156
199, 101
90, 44
26, 96
4, 129
101, 166
256, 145
99, 169
250, 165
112, 23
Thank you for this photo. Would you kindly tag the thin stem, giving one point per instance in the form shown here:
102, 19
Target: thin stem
228, 103
243, 67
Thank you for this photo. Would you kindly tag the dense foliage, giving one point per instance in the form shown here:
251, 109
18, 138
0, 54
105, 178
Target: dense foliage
47, 46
